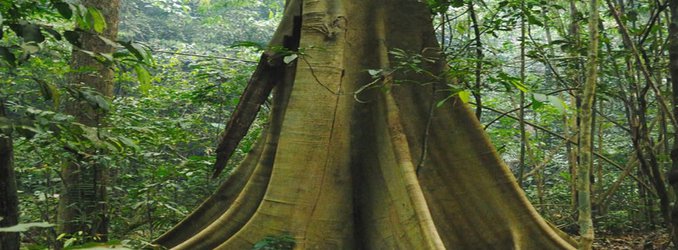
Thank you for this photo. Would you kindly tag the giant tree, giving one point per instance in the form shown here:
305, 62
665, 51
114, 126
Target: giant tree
359, 151
82, 205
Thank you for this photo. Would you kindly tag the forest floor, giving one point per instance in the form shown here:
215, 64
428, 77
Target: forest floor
650, 240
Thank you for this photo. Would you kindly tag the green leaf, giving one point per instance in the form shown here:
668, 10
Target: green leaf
374, 72
540, 97
558, 103
49, 91
54, 33
8, 56
464, 95
457, 3
128, 142
566, 176
249, 44
442, 102
64, 9
519, 85
31, 33
70, 242
537, 104
109, 42
30, 48
96, 19
136, 49
288, 59
531, 19
96, 100
23, 227
73, 37
144, 78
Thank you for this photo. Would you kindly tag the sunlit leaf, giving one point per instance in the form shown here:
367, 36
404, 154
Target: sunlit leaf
136, 49
465, 95
519, 85
374, 72
97, 20
558, 103
540, 97
144, 78
288, 59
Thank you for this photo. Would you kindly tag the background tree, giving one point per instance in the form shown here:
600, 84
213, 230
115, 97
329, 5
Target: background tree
586, 164
673, 68
9, 201
83, 203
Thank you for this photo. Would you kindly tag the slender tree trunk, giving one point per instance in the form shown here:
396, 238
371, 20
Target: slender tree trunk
479, 61
637, 116
83, 202
521, 111
598, 188
9, 201
572, 123
586, 141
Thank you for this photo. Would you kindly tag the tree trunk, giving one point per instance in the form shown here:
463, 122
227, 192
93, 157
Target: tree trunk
521, 112
673, 67
82, 205
572, 123
335, 173
9, 202
477, 88
586, 141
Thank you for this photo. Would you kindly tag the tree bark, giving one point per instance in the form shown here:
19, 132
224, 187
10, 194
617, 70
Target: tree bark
586, 135
9, 201
477, 88
335, 173
572, 123
673, 68
521, 112
83, 202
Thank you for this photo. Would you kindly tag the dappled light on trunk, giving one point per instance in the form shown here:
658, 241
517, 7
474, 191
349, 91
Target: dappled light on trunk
356, 160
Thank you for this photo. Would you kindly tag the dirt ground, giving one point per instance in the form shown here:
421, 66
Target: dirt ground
652, 240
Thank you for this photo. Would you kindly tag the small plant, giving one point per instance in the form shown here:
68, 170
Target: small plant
282, 242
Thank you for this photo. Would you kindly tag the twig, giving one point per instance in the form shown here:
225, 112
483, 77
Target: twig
202, 56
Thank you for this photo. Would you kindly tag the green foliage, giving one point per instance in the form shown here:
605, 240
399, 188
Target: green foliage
161, 127
283, 242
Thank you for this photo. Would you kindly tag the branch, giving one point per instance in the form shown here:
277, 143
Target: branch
642, 65
600, 156
203, 56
